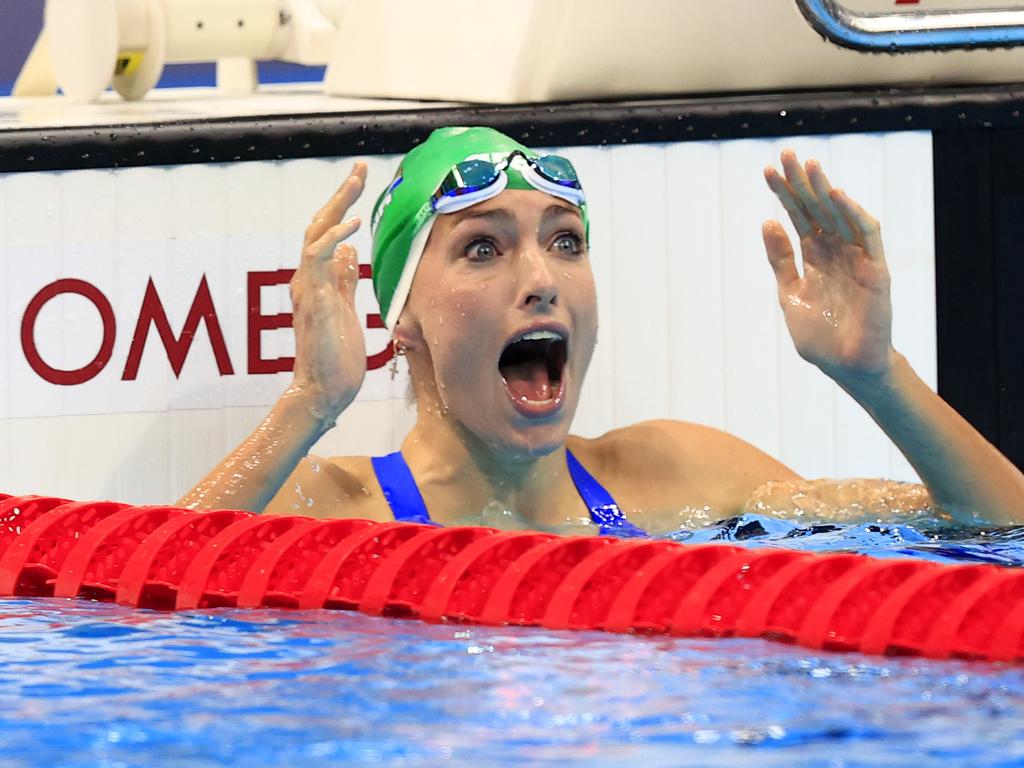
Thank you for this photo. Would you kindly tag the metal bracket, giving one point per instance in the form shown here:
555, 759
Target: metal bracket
914, 31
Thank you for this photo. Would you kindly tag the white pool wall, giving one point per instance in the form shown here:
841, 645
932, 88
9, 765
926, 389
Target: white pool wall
690, 325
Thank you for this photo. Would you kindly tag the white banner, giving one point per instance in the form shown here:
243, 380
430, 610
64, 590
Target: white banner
129, 295
144, 321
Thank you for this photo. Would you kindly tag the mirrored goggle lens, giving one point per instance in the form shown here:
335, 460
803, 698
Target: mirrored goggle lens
468, 176
557, 169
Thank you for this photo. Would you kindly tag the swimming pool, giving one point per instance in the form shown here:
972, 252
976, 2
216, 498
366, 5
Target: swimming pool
84, 684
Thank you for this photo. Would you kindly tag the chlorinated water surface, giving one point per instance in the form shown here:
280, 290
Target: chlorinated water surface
93, 684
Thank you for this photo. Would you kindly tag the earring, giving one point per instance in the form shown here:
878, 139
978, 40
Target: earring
397, 351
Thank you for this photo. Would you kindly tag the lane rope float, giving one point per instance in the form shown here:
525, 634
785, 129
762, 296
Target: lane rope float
168, 558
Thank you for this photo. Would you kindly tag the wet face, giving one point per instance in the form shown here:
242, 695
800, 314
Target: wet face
503, 316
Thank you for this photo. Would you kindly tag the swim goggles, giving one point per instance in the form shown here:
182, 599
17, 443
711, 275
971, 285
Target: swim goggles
473, 181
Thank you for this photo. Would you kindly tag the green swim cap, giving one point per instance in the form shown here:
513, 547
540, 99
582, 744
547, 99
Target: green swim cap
403, 215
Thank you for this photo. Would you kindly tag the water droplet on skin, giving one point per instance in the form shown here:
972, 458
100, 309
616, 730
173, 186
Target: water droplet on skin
495, 511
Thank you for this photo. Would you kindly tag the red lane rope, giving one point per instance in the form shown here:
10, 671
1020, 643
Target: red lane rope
167, 558
99, 557
152, 575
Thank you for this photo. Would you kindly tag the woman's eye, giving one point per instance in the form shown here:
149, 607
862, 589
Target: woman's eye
568, 243
482, 249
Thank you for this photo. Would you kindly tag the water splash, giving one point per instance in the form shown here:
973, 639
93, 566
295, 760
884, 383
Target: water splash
926, 536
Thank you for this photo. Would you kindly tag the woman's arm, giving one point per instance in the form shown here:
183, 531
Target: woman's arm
839, 314
251, 475
854, 500
330, 363
964, 473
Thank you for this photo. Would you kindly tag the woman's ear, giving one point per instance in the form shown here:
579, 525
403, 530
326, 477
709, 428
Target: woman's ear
408, 335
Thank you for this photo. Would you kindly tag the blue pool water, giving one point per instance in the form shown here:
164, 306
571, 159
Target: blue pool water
91, 684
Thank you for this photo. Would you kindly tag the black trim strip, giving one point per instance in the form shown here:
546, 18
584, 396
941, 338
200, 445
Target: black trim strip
591, 123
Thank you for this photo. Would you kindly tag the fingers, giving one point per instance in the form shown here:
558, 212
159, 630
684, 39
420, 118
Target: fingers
809, 199
823, 192
349, 191
328, 261
790, 202
780, 256
346, 268
868, 230
798, 181
323, 249
339, 272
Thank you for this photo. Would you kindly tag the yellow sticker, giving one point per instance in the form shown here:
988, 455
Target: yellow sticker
127, 63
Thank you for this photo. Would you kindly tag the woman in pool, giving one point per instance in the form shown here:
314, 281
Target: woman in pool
482, 274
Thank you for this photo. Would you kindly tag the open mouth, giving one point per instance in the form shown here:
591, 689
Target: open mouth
532, 366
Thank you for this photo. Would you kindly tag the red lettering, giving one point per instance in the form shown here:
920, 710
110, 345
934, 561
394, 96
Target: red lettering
259, 322
152, 313
28, 337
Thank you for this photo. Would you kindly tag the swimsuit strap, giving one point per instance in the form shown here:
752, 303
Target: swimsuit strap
603, 509
407, 505
400, 488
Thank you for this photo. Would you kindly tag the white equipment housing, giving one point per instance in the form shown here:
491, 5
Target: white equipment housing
516, 51
86, 47
488, 51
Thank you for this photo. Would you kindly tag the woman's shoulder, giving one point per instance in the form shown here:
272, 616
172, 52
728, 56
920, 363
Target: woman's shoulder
664, 464
677, 443
339, 486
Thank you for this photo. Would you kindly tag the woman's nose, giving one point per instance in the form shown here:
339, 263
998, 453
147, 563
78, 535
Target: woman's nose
539, 286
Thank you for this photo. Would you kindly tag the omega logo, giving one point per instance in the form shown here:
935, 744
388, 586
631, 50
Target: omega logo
153, 313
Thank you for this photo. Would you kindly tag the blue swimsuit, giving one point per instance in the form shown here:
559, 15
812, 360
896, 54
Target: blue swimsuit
408, 506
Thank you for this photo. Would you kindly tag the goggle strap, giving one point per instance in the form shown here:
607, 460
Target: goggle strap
401, 293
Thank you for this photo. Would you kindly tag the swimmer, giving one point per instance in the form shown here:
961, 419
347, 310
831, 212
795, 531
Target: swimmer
482, 273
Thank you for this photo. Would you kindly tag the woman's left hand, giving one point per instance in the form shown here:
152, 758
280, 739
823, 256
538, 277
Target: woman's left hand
839, 312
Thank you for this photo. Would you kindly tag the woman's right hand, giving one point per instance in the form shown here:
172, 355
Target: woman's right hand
330, 352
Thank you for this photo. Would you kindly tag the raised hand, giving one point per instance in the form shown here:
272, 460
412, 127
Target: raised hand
839, 312
330, 352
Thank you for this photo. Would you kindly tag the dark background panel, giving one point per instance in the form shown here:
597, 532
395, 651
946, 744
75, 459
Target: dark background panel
965, 275
979, 252
1009, 300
